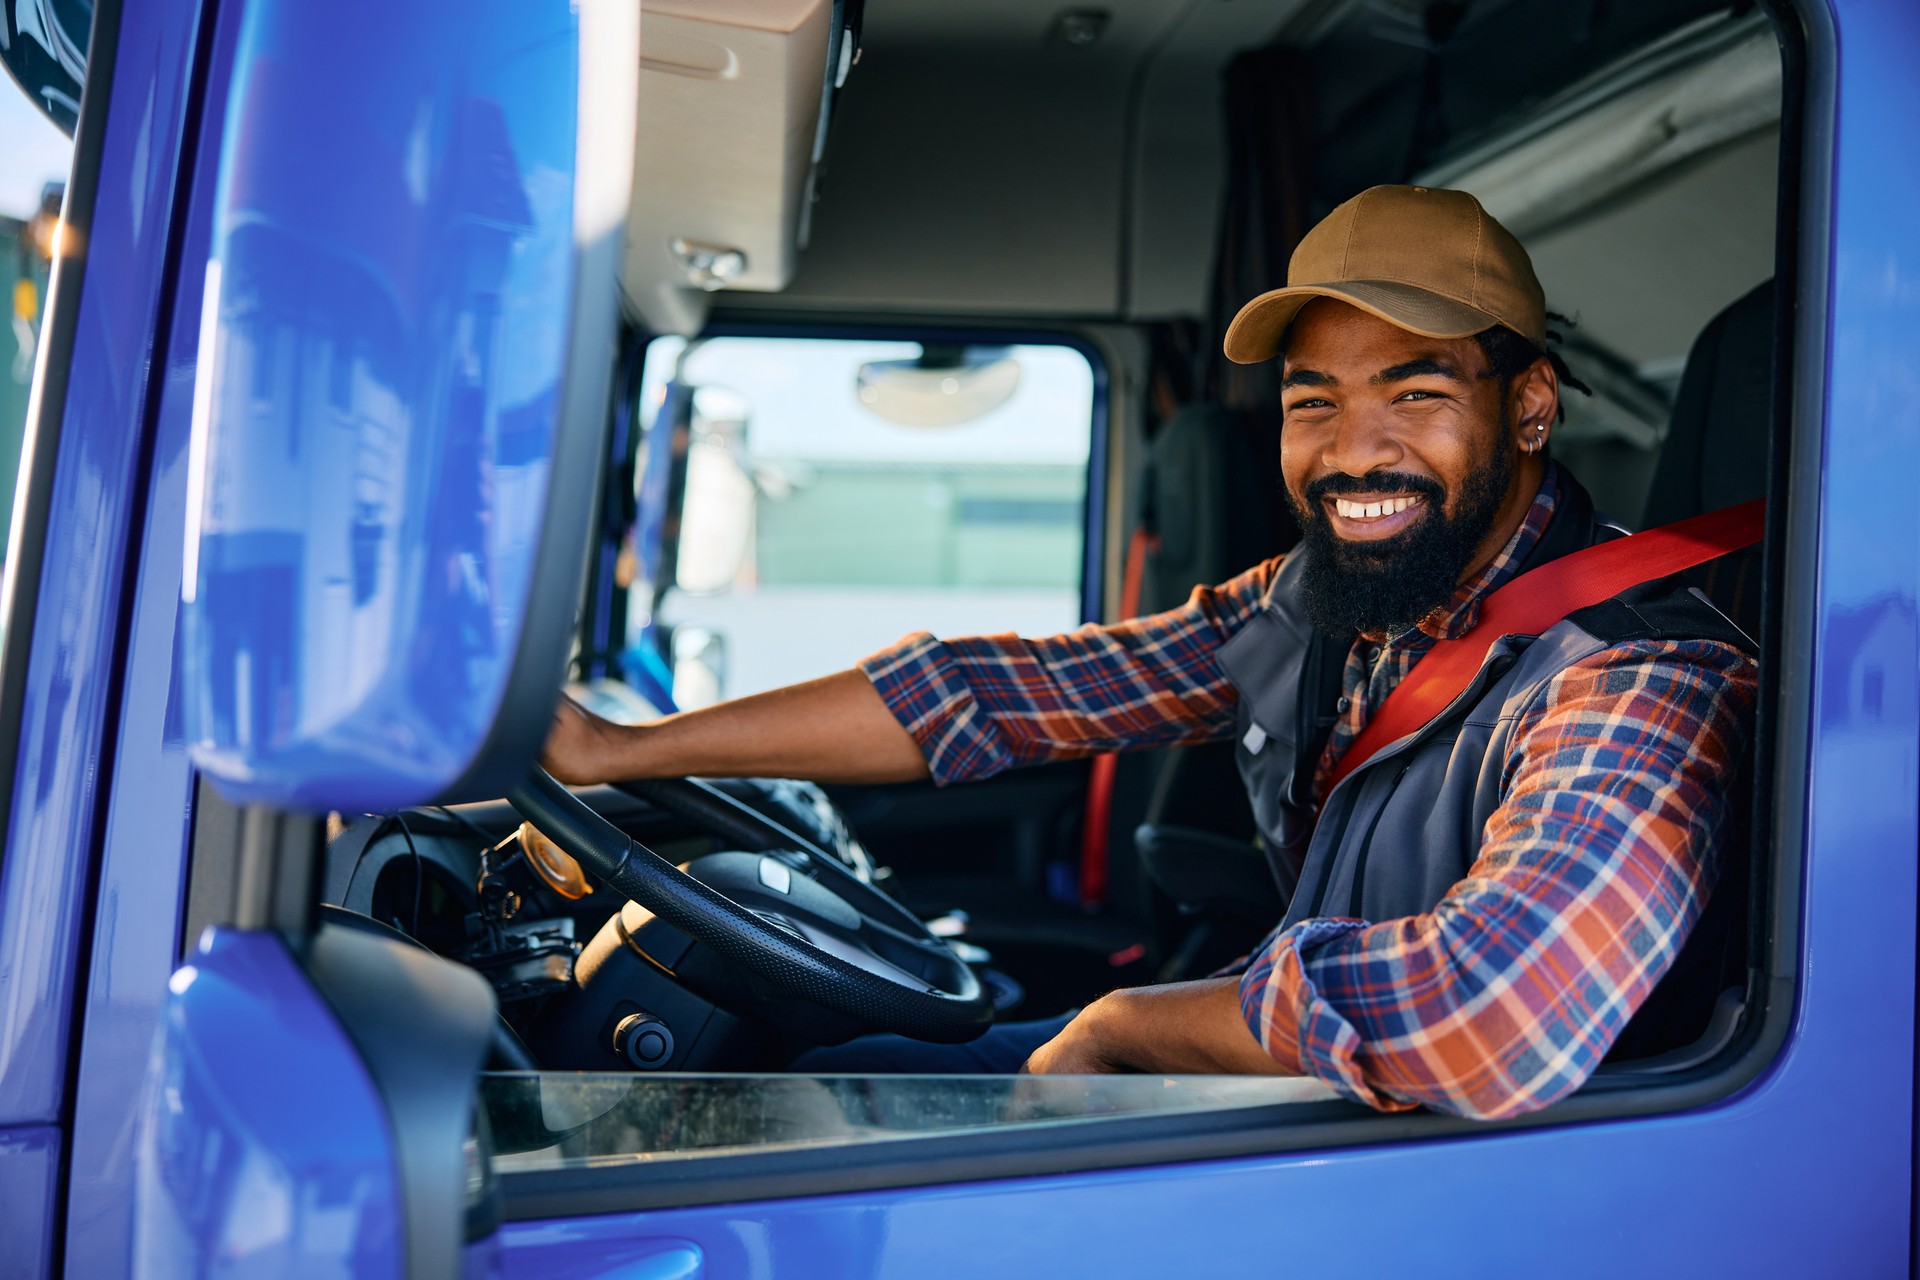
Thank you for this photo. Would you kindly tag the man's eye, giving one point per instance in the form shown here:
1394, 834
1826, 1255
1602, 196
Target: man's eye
1418, 394
1311, 402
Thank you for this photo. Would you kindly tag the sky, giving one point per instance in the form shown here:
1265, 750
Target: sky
32, 151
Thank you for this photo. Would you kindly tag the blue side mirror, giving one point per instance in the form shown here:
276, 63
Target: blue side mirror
408, 333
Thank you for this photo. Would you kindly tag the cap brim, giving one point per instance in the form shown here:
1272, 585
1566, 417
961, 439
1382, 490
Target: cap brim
1255, 333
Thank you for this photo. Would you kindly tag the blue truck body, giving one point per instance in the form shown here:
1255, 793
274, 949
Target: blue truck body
256, 1141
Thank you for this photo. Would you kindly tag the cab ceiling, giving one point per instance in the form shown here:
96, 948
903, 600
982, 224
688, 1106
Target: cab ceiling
979, 163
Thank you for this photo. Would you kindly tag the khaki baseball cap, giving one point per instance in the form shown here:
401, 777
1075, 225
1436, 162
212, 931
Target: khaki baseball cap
1430, 261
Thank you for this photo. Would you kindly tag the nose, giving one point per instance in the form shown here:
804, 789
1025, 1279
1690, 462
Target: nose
1360, 444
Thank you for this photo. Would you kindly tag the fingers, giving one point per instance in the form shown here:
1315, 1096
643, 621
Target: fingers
572, 753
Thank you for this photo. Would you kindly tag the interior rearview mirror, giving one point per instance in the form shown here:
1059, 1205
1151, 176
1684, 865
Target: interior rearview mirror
945, 387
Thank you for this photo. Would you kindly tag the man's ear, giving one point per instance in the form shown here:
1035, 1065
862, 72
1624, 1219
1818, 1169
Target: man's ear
1533, 405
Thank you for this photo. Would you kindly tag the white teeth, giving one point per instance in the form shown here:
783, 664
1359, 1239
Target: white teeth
1372, 510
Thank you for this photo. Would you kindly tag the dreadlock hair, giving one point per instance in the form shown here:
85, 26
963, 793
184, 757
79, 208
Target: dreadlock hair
1509, 355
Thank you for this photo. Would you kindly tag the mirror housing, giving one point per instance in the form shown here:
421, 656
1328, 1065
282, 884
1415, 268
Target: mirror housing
406, 348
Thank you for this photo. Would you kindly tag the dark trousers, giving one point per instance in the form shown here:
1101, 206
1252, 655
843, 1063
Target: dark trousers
1003, 1050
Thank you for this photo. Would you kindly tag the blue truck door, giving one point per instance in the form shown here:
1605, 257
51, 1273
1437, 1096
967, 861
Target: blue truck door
230, 1125
382, 260
78, 509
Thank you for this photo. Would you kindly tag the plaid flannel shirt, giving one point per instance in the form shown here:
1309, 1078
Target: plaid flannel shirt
1590, 873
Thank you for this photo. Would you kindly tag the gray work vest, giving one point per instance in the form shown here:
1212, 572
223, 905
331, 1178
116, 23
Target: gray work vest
1404, 827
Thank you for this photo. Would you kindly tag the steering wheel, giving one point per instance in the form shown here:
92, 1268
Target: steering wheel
817, 933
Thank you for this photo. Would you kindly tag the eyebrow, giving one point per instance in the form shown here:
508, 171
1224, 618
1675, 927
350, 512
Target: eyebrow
1424, 367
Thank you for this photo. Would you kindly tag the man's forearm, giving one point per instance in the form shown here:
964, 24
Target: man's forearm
835, 729
1185, 1028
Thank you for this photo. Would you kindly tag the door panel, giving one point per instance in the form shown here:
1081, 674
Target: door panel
309, 1106
74, 508
137, 938
29, 1175
559, 1252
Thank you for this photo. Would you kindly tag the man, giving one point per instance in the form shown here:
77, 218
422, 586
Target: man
1477, 911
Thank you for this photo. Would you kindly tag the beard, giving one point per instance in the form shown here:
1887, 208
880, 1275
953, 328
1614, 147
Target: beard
1386, 587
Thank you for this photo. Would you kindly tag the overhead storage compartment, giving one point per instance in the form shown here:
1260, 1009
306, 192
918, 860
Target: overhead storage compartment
733, 95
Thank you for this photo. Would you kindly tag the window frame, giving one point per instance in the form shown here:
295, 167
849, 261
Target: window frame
47, 401
1801, 329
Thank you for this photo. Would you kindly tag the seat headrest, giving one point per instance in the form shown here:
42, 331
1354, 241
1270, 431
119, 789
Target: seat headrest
1211, 492
1715, 454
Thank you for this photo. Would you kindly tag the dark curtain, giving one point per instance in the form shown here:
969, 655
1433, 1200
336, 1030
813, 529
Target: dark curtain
1269, 105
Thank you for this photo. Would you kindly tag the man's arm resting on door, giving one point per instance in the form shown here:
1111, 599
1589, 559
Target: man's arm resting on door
1508, 994
1184, 1028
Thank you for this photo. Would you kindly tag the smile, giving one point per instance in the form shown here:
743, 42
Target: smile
1348, 509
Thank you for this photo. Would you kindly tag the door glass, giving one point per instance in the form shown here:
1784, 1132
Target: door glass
828, 496
555, 1120
33, 171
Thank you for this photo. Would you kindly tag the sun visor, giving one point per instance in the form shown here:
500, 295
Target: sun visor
737, 96
406, 343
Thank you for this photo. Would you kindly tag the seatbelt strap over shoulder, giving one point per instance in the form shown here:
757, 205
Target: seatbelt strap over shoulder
1537, 600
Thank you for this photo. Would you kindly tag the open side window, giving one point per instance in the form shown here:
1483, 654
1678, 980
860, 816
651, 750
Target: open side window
1702, 227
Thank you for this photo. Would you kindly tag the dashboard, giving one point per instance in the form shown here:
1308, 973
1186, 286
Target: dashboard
585, 980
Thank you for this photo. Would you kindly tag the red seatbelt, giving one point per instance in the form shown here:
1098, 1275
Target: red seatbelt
1535, 601
1098, 824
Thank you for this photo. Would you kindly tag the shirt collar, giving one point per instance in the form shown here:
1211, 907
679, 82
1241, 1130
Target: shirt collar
1456, 617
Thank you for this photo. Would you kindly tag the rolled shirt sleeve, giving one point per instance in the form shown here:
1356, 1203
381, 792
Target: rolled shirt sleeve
984, 704
1591, 872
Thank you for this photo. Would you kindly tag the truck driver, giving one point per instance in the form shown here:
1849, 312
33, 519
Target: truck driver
1479, 907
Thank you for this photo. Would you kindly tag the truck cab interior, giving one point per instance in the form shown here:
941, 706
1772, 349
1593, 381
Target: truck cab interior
923, 305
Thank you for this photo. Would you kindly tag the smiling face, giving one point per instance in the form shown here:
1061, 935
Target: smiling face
1409, 464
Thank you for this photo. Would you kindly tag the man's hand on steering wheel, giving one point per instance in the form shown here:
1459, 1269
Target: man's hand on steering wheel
582, 748
823, 939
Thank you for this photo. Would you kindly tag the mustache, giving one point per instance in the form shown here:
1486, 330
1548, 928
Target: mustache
1374, 482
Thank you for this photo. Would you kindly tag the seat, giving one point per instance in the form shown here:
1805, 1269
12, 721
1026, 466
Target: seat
1714, 456
1213, 503
1715, 453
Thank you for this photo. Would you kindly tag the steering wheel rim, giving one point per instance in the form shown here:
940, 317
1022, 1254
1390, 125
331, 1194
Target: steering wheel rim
741, 826
952, 1011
